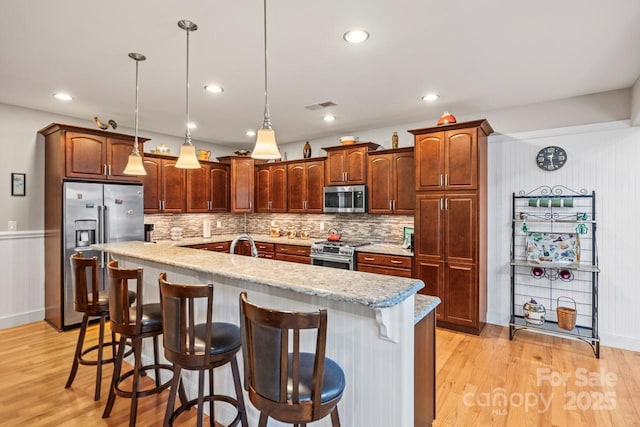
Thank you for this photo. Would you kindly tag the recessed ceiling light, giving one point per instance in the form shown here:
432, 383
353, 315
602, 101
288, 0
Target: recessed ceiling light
192, 125
329, 118
430, 97
356, 36
214, 88
250, 132
62, 96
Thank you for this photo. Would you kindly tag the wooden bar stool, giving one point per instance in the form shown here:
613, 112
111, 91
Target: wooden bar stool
284, 383
194, 342
135, 324
92, 302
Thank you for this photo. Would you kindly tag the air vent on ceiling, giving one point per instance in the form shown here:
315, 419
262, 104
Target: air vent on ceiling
320, 106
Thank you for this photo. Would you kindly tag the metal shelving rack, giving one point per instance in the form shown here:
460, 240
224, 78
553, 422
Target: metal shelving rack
562, 210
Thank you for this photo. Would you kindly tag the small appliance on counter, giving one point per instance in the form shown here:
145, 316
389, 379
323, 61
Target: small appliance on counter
148, 232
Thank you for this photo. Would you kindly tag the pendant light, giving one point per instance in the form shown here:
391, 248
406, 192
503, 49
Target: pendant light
134, 164
266, 146
187, 158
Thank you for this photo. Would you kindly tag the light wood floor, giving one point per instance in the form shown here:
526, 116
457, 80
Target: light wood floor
481, 381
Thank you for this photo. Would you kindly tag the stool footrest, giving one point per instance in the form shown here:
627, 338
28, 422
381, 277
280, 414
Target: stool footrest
221, 398
141, 393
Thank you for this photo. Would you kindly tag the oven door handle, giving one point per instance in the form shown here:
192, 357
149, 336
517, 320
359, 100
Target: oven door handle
342, 260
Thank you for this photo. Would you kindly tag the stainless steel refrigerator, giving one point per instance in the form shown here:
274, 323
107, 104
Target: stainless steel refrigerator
96, 213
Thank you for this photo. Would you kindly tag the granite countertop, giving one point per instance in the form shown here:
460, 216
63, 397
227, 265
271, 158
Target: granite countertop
424, 304
379, 248
372, 290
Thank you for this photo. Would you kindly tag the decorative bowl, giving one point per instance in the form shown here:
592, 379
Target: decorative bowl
446, 119
348, 140
242, 152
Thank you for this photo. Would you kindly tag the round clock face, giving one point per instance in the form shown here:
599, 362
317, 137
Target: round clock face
551, 158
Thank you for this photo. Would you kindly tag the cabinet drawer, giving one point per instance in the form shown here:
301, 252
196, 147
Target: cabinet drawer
390, 271
384, 260
292, 258
293, 250
265, 247
214, 247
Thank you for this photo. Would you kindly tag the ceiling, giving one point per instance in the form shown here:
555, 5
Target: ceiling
478, 56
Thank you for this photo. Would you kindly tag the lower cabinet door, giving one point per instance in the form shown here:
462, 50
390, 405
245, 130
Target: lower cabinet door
432, 274
461, 294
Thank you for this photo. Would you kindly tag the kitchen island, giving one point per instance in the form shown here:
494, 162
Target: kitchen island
371, 319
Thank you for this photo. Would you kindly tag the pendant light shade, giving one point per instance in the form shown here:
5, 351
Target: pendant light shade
266, 147
187, 158
134, 164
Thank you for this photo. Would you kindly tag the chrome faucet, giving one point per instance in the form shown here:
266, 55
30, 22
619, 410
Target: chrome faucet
254, 249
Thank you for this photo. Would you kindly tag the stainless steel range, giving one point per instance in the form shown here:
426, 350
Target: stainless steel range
340, 254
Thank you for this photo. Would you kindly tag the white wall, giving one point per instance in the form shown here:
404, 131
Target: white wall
601, 158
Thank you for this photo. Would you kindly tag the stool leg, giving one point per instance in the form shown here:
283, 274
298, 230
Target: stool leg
335, 419
212, 421
76, 357
235, 372
100, 358
137, 351
175, 385
201, 398
155, 359
263, 420
114, 378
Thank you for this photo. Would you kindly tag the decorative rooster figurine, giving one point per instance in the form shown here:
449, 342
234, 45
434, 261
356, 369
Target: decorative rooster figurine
101, 125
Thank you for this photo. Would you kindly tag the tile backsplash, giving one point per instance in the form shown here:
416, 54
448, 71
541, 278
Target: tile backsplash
373, 228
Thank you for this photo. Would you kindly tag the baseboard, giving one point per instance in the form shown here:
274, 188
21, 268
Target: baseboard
21, 319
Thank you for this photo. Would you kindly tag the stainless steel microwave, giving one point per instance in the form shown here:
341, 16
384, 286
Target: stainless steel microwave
345, 199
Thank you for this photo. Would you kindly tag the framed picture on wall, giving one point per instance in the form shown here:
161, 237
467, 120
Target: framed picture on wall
18, 184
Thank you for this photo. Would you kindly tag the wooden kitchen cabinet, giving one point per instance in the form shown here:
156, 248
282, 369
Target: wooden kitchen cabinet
391, 265
208, 188
271, 188
293, 253
305, 186
448, 157
451, 221
164, 185
90, 154
347, 164
213, 247
265, 250
242, 183
391, 180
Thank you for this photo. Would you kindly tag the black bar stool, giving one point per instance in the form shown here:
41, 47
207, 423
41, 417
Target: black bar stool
89, 300
133, 323
193, 341
284, 383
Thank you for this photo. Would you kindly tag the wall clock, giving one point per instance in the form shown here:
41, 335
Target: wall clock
551, 158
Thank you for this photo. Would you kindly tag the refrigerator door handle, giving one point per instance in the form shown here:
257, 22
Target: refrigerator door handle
100, 225
105, 217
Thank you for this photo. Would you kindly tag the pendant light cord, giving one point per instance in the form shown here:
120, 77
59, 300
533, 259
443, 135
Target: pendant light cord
135, 141
266, 124
188, 131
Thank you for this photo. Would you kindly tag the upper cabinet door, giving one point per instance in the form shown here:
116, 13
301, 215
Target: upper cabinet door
219, 188
152, 184
356, 166
118, 151
461, 160
198, 189
381, 183
263, 187
429, 152
173, 187
278, 189
297, 186
335, 167
242, 185
404, 176
314, 202
85, 156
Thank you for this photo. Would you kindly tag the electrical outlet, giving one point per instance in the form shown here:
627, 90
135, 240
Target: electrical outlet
322, 226
12, 225
219, 224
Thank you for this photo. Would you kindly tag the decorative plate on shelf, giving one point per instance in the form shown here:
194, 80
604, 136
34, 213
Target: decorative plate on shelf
561, 249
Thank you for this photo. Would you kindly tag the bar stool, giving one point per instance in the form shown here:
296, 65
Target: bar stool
89, 300
284, 383
191, 344
135, 324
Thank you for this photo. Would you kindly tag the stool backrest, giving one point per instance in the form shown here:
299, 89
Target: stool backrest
181, 305
122, 320
272, 360
84, 275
